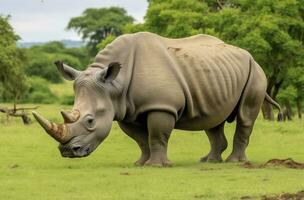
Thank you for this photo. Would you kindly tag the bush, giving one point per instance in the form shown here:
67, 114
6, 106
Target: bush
39, 92
40, 97
81, 54
40, 60
67, 100
42, 65
105, 42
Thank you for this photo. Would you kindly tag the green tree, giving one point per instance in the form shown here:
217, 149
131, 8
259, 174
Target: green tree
81, 53
178, 18
296, 77
134, 28
96, 24
12, 79
287, 97
40, 60
105, 42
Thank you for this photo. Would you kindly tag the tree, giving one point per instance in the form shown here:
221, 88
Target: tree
296, 77
40, 60
105, 42
12, 79
179, 18
96, 24
286, 97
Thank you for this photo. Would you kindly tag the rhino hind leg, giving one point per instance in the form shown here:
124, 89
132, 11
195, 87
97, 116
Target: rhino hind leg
140, 135
218, 144
240, 143
160, 125
249, 108
244, 126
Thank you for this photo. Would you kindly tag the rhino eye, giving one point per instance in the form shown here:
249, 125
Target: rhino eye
89, 122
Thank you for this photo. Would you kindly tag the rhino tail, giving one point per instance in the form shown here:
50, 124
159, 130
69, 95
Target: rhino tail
275, 104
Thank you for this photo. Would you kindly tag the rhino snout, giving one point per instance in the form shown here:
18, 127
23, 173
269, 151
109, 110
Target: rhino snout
74, 151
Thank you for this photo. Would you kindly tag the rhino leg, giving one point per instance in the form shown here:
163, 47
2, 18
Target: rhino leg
140, 135
218, 144
160, 126
240, 143
249, 108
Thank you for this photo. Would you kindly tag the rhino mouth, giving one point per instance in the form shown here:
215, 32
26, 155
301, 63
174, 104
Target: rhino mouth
73, 149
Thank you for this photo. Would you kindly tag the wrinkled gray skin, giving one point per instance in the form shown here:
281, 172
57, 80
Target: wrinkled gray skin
151, 85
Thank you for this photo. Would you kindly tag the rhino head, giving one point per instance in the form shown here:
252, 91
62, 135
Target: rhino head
90, 120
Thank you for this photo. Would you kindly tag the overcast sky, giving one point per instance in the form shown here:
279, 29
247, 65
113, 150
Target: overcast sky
45, 20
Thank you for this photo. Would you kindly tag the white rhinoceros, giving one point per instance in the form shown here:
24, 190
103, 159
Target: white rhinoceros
151, 85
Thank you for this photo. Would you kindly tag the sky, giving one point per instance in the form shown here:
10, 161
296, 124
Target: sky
46, 20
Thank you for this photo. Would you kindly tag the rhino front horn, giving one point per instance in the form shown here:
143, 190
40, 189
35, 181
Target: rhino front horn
58, 132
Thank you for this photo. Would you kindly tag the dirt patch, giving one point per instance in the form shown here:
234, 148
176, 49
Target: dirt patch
125, 173
286, 196
249, 165
174, 48
289, 163
14, 166
247, 198
208, 169
283, 196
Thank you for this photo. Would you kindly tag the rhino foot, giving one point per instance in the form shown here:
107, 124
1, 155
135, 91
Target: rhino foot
212, 158
158, 163
141, 161
236, 158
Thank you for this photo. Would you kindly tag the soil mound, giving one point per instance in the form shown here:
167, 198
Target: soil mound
286, 196
289, 163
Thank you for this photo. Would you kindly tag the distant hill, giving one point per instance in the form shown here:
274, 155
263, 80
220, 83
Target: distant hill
67, 43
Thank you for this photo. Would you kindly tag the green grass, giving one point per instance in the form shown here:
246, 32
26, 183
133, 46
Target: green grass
32, 168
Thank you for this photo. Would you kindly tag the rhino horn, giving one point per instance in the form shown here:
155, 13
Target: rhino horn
70, 117
59, 132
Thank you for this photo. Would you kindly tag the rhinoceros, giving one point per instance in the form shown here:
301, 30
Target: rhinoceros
151, 85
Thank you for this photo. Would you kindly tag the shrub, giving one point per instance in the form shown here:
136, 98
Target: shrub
39, 92
40, 60
44, 67
105, 42
67, 100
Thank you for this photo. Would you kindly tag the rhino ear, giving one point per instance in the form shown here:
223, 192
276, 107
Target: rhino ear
109, 73
68, 72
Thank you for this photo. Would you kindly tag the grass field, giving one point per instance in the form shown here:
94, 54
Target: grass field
32, 168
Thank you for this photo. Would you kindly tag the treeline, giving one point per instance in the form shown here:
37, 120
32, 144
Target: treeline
27, 72
271, 30
40, 69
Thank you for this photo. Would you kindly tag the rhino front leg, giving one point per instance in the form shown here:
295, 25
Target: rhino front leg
218, 144
140, 135
160, 126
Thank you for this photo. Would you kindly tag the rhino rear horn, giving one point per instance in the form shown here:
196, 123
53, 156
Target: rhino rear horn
70, 117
